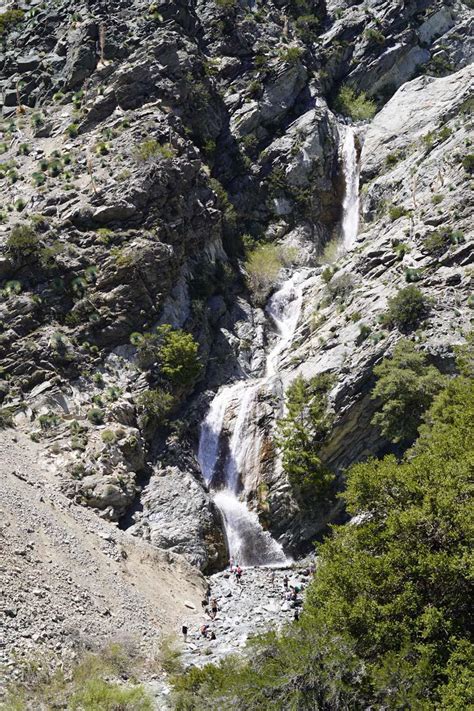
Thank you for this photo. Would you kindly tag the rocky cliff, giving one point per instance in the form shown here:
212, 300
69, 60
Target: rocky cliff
145, 149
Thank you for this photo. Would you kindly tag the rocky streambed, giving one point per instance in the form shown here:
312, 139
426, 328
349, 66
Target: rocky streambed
254, 605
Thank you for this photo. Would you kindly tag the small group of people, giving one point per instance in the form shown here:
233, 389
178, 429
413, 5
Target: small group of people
291, 595
204, 630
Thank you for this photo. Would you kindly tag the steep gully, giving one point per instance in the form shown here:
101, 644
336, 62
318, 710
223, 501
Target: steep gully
227, 469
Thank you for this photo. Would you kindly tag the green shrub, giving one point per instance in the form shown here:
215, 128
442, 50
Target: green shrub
439, 240
406, 386
178, 357
113, 393
468, 163
412, 275
101, 695
357, 106
108, 437
306, 27
401, 249
95, 415
364, 333
156, 405
290, 55
263, 265
9, 19
38, 179
151, 148
437, 199
48, 421
301, 433
20, 205
22, 241
397, 211
72, 130
226, 4
406, 309
374, 35
37, 121
392, 159
6, 417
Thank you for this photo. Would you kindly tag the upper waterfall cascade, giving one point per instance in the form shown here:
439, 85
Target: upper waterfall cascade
350, 205
225, 468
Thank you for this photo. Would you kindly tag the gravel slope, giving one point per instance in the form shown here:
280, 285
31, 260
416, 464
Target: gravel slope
67, 577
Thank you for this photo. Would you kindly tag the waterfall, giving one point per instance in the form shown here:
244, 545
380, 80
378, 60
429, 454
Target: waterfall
234, 410
350, 205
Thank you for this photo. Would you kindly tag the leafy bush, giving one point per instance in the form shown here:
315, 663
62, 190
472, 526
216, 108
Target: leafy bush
397, 211
151, 148
178, 357
263, 265
439, 240
22, 241
9, 19
72, 130
174, 351
48, 421
374, 35
357, 106
108, 437
290, 55
406, 309
6, 417
468, 163
101, 695
95, 415
156, 405
306, 26
226, 4
301, 432
406, 386
386, 622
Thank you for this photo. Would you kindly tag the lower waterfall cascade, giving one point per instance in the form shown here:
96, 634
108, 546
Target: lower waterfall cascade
225, 472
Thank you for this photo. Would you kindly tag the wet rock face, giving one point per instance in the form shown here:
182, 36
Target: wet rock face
179, 515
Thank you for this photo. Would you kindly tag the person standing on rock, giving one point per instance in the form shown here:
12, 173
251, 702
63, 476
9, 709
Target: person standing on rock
238, 574
214, 608
184, 630
285, 582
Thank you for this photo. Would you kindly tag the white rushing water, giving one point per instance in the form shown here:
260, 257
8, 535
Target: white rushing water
234, 408
350, 205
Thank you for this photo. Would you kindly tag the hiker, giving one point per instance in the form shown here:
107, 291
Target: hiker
296, 615
231, 564
212, 635
214, 608
238, 573
204, 629
285, 582
184, 630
